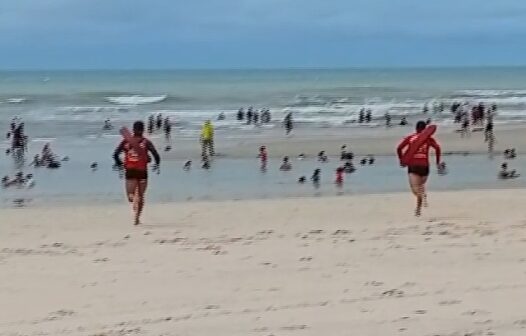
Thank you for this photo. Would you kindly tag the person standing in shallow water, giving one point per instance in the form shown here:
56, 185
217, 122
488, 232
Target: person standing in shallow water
288, 123
207, 139
418, 164
136, 167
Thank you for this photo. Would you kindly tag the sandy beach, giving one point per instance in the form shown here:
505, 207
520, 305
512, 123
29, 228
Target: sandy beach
360, 265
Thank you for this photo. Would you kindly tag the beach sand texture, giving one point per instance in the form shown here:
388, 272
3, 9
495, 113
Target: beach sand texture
360, 265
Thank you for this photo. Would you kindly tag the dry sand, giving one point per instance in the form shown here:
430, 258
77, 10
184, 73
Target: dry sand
328, 266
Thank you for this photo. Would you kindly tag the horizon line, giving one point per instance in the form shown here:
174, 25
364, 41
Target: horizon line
423, 67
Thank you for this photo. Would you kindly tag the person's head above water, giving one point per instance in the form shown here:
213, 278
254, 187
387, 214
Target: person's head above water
420, 126
138, 128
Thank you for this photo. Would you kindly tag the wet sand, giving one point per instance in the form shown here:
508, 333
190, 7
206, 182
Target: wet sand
362, 141
361, 265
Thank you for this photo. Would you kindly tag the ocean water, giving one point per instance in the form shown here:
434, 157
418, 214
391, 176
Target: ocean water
232, 179
75, 103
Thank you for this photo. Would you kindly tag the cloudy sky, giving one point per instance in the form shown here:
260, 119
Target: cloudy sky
107, 34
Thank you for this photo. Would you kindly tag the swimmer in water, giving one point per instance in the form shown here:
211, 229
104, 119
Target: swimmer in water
316, 177
107, 125
285, 165
136, 167
322, 157
263, 156
302, 179
339, 176
418, 164
505, 174
348, 167
187, 166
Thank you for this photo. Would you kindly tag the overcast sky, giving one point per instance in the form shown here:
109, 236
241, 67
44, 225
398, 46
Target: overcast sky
108, 34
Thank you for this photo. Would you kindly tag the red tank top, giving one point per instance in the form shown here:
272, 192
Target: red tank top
134, 159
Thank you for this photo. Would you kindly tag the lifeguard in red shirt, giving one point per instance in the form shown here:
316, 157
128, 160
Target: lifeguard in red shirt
418, 163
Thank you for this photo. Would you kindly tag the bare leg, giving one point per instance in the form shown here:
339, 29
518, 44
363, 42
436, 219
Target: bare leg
141, 190
415, 182
133, 194
423, 191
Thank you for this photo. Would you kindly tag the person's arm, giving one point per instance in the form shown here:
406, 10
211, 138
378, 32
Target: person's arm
438, 150
117, 153
151, 149
401, 146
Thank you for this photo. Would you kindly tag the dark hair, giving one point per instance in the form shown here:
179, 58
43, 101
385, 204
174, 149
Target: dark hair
420, 126
138, 127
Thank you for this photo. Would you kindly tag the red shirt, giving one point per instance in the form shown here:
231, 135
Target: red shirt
421, 156
134, 159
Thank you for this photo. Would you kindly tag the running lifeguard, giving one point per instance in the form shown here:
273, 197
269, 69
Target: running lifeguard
418, 164
136, 166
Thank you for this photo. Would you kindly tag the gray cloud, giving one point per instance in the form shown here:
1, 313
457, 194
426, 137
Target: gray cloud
119, 26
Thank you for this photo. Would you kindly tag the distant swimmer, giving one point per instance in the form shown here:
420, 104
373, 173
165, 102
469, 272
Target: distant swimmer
387, 119
107, 125
94, 166
135, 165
18, 181
302, 179
285, 165
167, 148
349, 167
370, 159
464, 129
250, 114
418, 164
361, 116
263, 157
510, 153
240, 114
339, 176
345, 155
368, 116
301, 156
403, 121
167, 127
288, 123
151, 123
221, 116
505, 174
187, 165
322, 157
159, 121
316, 177
363, 161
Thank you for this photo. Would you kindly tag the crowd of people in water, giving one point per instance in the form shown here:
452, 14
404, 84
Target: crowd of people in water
478, 117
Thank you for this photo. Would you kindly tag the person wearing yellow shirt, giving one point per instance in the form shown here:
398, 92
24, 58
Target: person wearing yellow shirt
207, 139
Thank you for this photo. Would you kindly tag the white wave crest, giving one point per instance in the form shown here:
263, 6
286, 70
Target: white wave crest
136, 100
16, 100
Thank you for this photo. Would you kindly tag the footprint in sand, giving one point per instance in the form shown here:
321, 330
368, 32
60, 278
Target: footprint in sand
294, 327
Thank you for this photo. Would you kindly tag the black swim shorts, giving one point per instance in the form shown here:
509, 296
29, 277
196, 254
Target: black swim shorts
421, 171
136, 174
